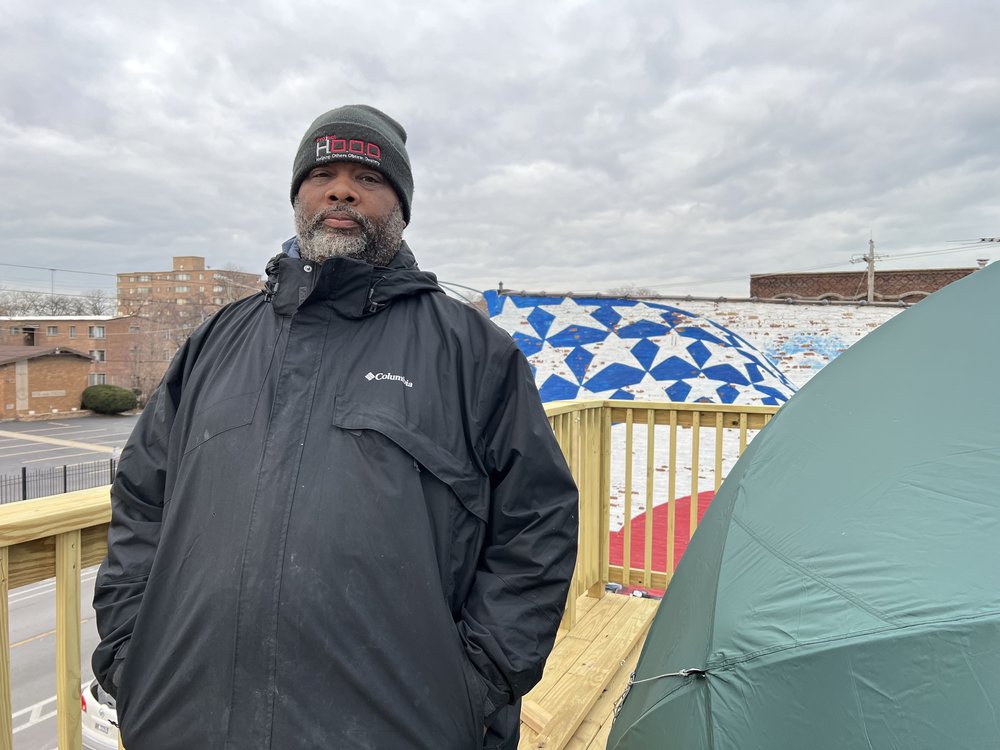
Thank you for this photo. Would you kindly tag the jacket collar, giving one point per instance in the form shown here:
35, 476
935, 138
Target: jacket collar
355, 289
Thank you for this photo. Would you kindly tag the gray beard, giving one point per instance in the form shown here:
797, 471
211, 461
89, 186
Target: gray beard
377, 243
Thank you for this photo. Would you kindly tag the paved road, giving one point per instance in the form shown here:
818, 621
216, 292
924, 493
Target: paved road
57, 442
33, 654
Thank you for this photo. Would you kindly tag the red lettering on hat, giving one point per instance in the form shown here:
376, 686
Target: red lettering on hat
337, 145
374, 151
356, 147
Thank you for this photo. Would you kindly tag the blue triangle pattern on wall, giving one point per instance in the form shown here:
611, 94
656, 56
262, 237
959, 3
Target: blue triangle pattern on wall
632, 349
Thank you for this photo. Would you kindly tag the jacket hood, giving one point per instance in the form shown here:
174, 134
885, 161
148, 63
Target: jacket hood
355, 289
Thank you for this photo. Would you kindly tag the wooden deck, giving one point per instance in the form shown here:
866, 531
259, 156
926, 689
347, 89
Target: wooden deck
587, 672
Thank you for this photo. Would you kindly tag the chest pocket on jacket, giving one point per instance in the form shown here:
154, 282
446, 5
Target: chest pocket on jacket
222, 416
454, 466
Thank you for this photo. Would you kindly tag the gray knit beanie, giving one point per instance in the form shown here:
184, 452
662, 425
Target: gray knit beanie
362, 134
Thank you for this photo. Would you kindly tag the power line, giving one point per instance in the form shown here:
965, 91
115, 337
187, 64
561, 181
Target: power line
943, 251
61, 270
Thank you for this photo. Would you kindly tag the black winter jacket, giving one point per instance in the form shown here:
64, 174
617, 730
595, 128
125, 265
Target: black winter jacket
342, 521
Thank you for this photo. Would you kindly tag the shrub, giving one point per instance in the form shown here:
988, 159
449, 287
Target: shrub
108, 399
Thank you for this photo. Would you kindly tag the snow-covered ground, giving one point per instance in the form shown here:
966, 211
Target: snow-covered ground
661, 465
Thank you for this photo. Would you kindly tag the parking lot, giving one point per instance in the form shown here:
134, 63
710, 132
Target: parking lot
56, 442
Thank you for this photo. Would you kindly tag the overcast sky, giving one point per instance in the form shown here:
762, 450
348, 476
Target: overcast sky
557, 145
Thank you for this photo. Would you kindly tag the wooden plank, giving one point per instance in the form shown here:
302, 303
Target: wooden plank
69, 728
564, 655
6, 722
659, 579
570, 644
757, 416
534, 716
591, 626
695, 464
627, 500
647, 560
48, 516
718, 451
595, 728
605, 512
576, 693
30, 562
671, 496
584, 605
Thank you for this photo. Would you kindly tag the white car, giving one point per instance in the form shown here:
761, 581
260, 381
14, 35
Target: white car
99, 718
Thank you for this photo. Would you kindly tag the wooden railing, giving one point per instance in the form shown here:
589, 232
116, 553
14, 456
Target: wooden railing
597, 436
58, 536
50, 537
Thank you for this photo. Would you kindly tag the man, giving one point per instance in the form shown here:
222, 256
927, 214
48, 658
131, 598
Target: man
342, 520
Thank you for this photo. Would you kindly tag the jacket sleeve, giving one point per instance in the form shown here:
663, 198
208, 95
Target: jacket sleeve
510, 618
136, 513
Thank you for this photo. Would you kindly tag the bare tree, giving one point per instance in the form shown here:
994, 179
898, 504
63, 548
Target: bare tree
631, 290
20, 302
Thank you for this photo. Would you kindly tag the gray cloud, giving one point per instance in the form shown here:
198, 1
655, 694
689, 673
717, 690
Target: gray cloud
569, 145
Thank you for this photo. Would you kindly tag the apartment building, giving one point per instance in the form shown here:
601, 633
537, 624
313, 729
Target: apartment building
119, 347
189, 292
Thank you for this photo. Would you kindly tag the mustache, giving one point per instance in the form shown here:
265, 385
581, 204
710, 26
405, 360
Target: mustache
340, 213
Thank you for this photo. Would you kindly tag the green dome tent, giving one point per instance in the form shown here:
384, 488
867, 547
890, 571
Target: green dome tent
843, 589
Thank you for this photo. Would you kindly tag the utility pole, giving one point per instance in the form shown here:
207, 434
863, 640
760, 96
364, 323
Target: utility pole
870, 260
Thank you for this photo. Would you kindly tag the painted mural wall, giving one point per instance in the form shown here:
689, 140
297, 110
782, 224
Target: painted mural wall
679, 350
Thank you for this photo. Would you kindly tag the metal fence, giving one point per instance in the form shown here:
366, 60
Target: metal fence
55, 480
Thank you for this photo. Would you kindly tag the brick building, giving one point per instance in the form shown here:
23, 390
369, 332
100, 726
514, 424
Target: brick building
890, 286
189, 292
130, 351
36, 380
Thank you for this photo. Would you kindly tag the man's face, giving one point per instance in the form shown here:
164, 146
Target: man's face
350, 210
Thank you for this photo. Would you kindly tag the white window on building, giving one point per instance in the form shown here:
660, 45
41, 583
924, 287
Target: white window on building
181, 301
218, 288
182, 277
144, 277
217, 300
95, 332
98, 355
181, 289
52, 331
72, 332
95, 378
14, 331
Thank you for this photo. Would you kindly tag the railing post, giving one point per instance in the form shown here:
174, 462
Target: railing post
24, 482
68, 640
605, 506
6, 722
65, 479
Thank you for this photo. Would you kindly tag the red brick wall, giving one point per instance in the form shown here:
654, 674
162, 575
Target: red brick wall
890, 286
136, 350
55, 382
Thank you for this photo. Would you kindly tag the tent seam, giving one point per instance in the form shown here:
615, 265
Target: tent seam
843, 593
726, 664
